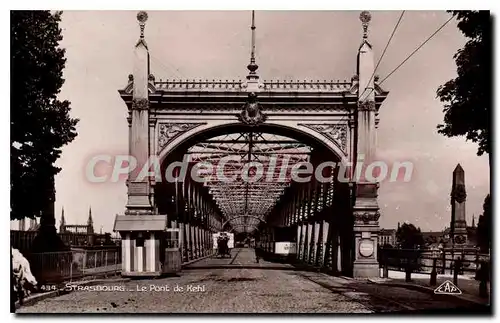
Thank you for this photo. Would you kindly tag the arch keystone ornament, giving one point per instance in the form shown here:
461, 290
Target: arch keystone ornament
252, 113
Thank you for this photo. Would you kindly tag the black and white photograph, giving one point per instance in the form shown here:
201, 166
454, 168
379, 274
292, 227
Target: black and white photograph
251, 162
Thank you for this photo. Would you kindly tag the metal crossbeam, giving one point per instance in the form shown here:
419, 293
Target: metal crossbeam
237, 198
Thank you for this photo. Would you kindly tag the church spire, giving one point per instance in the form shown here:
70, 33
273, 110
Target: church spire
63, 222
90, 221
252, 67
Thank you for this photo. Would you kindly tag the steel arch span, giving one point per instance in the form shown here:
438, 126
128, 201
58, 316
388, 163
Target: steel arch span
253, 126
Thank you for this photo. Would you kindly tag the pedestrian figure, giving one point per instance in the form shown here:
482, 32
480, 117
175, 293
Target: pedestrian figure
483, 275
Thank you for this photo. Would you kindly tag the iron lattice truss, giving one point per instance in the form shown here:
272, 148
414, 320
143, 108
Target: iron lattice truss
249, 173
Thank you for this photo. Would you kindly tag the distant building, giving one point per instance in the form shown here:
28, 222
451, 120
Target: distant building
434, 239
387, 237
77, 228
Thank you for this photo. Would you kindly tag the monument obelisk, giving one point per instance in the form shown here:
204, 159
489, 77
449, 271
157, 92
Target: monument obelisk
458, 226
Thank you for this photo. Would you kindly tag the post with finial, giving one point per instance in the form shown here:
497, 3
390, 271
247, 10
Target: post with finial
365, 18
139, 227
252, 76
366, 209
139, 189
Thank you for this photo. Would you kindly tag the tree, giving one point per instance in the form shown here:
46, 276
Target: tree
430, 240
483, 232
409, 237
40, 123
467, 98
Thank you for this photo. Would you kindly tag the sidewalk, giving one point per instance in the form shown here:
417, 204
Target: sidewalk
382, 296
36, 297
468, 285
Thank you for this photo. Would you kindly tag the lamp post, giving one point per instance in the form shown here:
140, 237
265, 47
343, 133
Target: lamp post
443, 256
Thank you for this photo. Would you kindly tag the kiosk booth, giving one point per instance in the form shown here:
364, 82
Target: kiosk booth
149, 248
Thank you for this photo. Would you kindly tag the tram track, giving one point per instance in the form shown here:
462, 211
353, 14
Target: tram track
235, 256
375, 303
391, 299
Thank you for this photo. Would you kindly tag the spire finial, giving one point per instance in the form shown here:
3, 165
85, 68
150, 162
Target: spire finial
90, 215
252, 67
142, 17
365, 18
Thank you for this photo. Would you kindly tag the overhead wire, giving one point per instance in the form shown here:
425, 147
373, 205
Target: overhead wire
385, 49
416, 50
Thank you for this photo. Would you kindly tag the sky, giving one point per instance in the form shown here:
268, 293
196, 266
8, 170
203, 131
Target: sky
290, 45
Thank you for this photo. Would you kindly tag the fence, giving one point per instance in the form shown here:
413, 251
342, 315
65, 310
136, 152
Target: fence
23, 240
421, 260
56, 267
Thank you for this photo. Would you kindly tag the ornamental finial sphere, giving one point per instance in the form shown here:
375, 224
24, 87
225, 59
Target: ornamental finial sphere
142, 16
365, 17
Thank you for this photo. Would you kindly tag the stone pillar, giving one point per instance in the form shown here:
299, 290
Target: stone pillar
366, 210
188, 246
126, 253
366, 236
299, 240
198, 242
458, 225
182, 238
338, 260
139, 190
326, 236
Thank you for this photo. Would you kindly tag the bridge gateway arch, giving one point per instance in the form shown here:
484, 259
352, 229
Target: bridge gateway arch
237, 124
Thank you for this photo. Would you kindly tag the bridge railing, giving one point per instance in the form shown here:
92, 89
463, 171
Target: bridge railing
56, 267
421, 260
23, 240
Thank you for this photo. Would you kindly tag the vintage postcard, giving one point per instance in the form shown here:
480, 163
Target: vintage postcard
251, 162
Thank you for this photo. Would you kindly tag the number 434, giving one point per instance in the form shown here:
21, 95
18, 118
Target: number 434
48, 287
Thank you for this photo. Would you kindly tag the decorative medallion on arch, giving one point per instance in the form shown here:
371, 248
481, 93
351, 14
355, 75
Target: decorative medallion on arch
337, 133
252, 112
171, 130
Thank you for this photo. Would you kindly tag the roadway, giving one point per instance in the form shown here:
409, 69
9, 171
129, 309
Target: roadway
240, 285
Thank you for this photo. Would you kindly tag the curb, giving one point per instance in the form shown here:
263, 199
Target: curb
428, 290
187, 263
30, 300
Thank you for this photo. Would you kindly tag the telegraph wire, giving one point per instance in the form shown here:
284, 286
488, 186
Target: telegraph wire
385, 49
406, 59
380, 59
171, 70
416, 50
